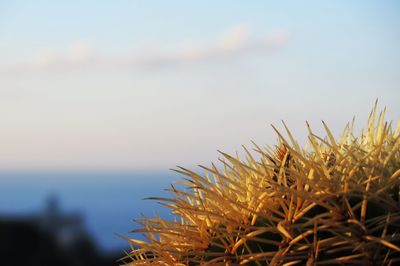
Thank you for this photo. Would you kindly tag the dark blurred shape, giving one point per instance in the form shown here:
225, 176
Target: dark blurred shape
49, 238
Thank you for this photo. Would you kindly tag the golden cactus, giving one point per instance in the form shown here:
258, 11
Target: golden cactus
334, 203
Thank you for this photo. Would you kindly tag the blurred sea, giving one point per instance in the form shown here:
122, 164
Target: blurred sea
107, 201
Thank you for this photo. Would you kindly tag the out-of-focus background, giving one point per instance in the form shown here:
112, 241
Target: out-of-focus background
98, 99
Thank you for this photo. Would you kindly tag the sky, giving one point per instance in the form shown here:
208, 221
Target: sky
154, 84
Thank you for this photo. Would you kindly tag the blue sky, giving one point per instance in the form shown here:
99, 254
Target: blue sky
152, 84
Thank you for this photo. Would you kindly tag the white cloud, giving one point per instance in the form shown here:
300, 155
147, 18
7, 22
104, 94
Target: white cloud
231, 43
78, 54
234, 38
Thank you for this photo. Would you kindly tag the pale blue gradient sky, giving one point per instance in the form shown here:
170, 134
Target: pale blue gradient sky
152, 84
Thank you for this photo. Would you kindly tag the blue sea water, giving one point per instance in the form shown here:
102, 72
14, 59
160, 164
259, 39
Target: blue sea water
107, 201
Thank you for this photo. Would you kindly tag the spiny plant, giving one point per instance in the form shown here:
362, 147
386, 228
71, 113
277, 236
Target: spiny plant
333, 202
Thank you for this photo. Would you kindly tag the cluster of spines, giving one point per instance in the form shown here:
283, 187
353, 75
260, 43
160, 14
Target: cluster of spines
336, 203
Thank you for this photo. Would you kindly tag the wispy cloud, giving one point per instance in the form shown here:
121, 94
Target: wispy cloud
231, 43
78, 54
234, 42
